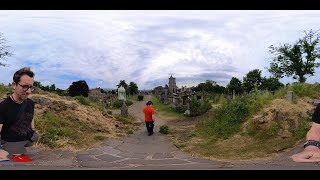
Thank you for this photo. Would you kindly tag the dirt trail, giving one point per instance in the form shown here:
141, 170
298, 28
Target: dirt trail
137, 108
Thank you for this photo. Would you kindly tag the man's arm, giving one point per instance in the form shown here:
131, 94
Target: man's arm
310, 153
32, 125
0, 130
32, 122
314, 132
152, 115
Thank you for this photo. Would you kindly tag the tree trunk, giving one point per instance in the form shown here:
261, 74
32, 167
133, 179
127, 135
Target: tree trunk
302, 79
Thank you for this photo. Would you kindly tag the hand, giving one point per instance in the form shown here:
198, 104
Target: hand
309, 154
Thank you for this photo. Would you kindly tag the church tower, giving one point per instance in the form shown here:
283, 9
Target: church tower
172, 86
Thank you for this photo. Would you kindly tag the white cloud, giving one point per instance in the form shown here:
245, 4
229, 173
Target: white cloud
142, 46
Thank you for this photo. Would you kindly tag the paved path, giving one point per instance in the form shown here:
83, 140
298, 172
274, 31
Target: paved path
140, 151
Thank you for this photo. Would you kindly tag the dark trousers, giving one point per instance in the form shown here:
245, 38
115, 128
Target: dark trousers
19, 147
150, 126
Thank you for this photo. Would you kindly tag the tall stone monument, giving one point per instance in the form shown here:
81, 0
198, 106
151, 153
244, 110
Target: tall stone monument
121, 93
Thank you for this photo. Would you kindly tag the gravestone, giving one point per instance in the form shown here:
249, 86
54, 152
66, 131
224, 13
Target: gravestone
290, 96
121, 93
187, 112
175, 100
233, 94
103, 103
185, 100
124, 109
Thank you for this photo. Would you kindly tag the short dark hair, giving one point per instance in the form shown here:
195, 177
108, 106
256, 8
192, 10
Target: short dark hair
149, 103
23, 71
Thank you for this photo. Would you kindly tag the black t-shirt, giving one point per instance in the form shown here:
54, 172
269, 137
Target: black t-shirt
316, 115
14, 129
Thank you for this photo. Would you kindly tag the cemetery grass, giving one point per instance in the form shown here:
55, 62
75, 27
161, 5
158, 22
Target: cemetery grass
216, 136
165, 110
237, 147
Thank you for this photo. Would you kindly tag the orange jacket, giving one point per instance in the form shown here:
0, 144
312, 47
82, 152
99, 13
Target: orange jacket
148, 112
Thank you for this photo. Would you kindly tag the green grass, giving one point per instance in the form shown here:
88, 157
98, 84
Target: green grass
263, 134
300, 90
165, 109
82, 100
99, 138
229, 117
57, 131
302, 129
87, 102
125, 119
214, 135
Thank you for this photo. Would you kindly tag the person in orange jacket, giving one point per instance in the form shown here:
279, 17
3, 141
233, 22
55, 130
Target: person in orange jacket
149, 117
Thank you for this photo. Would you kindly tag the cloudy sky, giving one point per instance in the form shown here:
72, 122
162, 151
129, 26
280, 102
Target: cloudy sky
146, 47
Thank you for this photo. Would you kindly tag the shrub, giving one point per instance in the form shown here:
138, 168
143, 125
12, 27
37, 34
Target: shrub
128, 102
118, 103
164, 129
140, 97
181, 109
198, 107
83, 100
228, 118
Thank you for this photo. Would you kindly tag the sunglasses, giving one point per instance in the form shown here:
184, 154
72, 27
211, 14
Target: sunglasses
26, 87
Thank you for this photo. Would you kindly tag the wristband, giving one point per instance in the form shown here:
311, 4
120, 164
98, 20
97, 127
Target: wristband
311, 143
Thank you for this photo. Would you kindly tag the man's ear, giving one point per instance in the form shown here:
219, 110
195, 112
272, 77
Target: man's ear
13, 85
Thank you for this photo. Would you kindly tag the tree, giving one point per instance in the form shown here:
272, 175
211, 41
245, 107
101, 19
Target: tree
79, 88
252, 79
61, 92
207, 86
235, 84
46, 88
271, 84
123, 84
133, 88
52, 87
219, 89
4, 50
297, 60
37, 84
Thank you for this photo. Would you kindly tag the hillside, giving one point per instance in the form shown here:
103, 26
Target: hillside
64, 123
275, 127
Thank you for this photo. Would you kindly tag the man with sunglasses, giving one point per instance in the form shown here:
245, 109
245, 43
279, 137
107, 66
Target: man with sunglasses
16, 117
